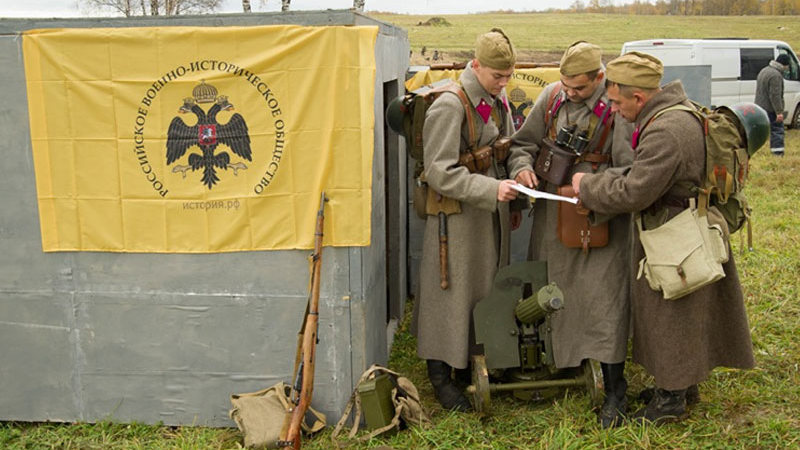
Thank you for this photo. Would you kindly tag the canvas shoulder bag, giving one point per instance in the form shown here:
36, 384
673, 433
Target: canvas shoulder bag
682, 255
261, 415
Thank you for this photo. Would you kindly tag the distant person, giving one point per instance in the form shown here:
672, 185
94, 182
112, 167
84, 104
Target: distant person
473, 205
677, 341
769, 95
595, 322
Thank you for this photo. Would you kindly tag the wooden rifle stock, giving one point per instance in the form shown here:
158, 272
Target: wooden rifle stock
303, 377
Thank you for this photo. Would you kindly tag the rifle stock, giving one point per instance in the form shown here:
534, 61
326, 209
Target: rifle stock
307, 345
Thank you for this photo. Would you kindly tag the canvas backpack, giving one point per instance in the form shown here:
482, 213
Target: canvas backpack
414, 106
406, 116
728, 155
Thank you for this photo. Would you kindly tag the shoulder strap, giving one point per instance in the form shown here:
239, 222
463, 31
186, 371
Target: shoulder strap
552, 109
459, 91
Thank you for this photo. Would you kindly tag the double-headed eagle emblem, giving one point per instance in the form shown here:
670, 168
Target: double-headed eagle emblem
207, 134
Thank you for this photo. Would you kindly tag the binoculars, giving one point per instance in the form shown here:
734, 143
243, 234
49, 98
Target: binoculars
569, 140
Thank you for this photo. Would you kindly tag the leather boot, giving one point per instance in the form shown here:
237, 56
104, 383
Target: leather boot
446, 392
462, 377
612, 414
692, 395
665, 406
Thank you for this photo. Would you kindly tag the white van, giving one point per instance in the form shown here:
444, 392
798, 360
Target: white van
735, 64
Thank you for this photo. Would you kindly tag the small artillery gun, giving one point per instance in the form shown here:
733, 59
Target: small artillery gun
516, 339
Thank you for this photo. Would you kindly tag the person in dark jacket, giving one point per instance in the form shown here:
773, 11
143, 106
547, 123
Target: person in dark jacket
677, 341
769, 95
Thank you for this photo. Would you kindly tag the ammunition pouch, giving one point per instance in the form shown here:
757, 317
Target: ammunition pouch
479, 160
553, 163
574, 229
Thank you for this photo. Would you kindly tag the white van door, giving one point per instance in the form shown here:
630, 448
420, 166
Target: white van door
725, 71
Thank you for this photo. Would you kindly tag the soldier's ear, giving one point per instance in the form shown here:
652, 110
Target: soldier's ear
640, 98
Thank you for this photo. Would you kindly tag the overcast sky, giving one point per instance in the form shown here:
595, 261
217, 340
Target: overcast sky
69, 8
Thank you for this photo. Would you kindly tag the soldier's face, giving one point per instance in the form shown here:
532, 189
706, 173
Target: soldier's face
492, 80
580, 87
628, 107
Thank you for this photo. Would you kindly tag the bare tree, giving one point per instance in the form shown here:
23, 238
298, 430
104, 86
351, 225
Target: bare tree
285, 5
130, 8
358, 5
246, 6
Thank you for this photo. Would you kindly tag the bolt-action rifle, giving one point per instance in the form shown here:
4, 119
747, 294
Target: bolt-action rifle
304, 362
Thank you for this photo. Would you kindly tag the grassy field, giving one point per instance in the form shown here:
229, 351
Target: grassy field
759, 408
543, 37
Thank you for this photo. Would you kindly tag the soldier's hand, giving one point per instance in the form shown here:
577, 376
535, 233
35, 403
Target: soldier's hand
504, 191
779, 117
527, 178
576, 182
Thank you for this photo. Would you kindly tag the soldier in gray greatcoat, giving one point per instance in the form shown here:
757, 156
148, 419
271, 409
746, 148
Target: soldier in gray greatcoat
594, 323
677, 341
769, 95
477, 236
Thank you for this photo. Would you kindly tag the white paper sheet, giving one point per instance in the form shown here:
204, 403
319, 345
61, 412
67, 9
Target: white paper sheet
545, 195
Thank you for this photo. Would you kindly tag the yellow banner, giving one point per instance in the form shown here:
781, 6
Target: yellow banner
201, 139
525, 85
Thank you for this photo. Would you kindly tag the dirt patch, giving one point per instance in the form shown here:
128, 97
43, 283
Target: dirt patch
435, 22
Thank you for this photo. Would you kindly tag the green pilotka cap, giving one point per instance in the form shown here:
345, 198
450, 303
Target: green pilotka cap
494, 50
636, 69
581, 57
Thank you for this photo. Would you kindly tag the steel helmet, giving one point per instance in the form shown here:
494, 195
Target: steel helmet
395, 113
755, 122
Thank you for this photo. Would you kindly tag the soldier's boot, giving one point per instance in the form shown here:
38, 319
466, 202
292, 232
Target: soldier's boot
612, 413
446, 392
665, 406
463, 377
692, 395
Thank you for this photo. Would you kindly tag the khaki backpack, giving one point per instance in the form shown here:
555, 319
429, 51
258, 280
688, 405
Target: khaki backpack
729, 144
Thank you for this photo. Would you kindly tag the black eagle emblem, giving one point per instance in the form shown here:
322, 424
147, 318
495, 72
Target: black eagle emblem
207, 134
518, 113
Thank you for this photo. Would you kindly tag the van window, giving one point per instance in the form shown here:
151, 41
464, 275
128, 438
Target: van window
794, 70
753, 60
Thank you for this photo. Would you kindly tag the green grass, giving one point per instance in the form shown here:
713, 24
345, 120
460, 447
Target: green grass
533, 33
759, 408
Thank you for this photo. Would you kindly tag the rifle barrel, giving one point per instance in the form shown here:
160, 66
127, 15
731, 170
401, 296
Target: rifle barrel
305, 373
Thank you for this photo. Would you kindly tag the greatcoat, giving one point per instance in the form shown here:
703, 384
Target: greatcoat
594, 322
478, 237
677, 341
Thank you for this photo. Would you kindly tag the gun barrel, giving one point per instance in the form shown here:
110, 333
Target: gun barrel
534, 308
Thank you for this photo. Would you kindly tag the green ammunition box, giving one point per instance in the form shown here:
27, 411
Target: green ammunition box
376, 401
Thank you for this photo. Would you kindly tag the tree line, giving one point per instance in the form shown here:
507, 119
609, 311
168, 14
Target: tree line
130, 8
691, 7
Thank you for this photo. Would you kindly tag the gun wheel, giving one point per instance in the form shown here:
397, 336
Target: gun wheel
593, 380
480, 380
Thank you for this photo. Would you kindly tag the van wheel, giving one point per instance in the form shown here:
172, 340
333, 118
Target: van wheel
795, 123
